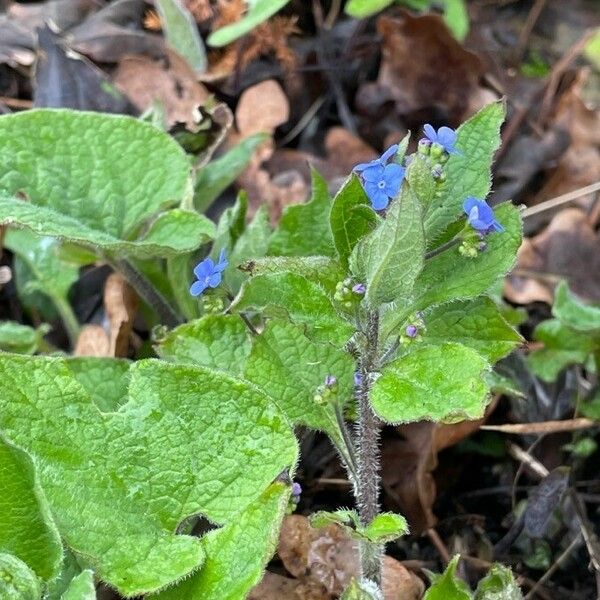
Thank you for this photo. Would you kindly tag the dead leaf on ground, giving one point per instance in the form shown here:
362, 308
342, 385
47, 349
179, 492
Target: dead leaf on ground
92, 341
443, 79
327, 557
262, 107
121, 304
566, 249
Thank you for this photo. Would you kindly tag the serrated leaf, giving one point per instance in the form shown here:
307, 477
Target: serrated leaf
17, 580
27, 530
304, 229
181, 32
137, 473
290, 367
386, 527
448, 586
96, 179
221, 342
236, 555
81, 587
303, 300
436, 383
390, 259
258, 11
573, 312
476, 323
215, 177
351, 218
467, 174
21, 339
359, 9
498, 584
348, 519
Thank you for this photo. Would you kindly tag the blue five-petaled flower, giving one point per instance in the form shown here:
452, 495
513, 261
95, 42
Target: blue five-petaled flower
208, 274
444, 136
381, 181
480, 215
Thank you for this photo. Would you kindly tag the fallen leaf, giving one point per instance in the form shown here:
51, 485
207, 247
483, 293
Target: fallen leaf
262, 108
92, 341
121, 304
277, 587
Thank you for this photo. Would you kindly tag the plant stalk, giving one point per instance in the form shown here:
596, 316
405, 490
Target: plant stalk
68, 318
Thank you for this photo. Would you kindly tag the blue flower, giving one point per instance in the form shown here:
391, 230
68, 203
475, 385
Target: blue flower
444, 136
480, 215
381, 181
208, 274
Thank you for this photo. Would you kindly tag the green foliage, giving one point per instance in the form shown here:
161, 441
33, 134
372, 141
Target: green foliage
81, 587
258, 11
21, 339
93, 467
571, 311
448, 586
17, 580
97, 180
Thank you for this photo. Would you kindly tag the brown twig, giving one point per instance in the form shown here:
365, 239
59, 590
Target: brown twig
544, 427
437, 541
560, 200
15, 102
532, 18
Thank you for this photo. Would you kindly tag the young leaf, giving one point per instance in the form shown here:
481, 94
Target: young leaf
448, 586
386, 527
498, 584
181, 32
258, 11
289, 367
96, 179
304, 228
21, 339
435, 383
303, 300
220, 342
421, 180
17, 580
81, 587
468, 173
69, 570
361, 590
475, 323
389, 260
139, 472
232, 568
180, 276
26, 527
351, 218
573, 312
359, 9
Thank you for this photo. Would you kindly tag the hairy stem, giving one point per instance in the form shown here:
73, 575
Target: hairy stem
346, 447
148, 292
367, 491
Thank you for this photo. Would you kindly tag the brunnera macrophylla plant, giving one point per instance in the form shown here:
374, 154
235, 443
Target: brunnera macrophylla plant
169, 477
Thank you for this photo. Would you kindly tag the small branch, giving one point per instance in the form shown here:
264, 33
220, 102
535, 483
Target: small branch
543, 427
442, 248
560, 200
350, 458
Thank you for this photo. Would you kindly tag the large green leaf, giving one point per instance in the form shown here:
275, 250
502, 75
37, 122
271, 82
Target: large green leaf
81, 587
21, 339
189, 441
434, 383
236, 555
98, 180
351, 218
390, 259
573, 312
17, 580
475, 323
304, 228
221, 342
290, 367
303, 300
26, 527
448, 586
468, 173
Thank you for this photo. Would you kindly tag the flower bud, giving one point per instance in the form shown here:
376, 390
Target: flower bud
437, 151
424, 146
359, 289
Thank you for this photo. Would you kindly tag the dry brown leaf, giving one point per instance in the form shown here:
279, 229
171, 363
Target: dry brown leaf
567, 249
328, 557
443, 79
121, 304
92, 341
262, 107
169, 80
277, 587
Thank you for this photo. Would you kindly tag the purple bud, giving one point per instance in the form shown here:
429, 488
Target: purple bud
357, 379
424, 143
482, 246
359, 288
296, 489
330, 380
411, 331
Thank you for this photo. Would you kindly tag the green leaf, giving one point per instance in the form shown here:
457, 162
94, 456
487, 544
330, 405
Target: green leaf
215, 177
448, 586
236, 555
303, 300
97, 180
421, 180
258, 12
221, 342
390, 259
69, 570
467, 174
347, 519
573, 312
81, 587
181, 32
189, 441
21, 339
547, 364
498, 584
351, 218
304, 228
457, 18
434, 383
231, 225
361, 590
17, 580
386, 527
180, 275
359, 9
289, 367
26, 527
476, 323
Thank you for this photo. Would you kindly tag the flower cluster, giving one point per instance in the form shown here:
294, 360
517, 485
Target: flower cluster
327, 391
347, 293
208, 274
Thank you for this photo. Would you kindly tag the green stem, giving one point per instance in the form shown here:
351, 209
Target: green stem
68, 318
345, 447
443, 248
